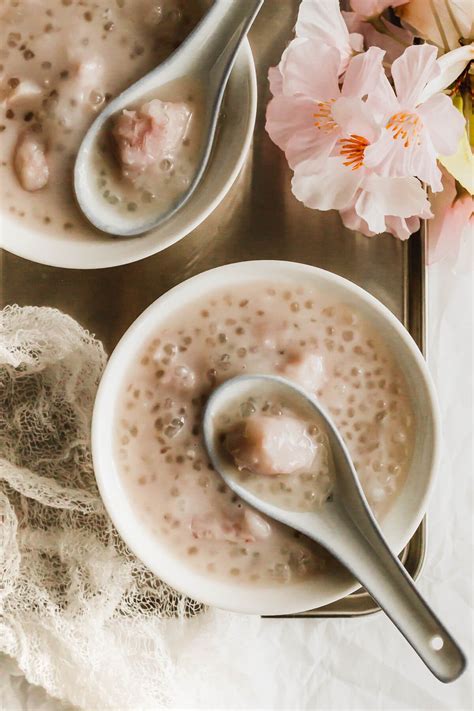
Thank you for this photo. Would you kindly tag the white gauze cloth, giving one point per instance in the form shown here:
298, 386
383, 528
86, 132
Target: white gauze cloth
80, 614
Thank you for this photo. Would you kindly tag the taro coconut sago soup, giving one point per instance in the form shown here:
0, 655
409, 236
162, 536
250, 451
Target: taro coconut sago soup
61, 63
324, 346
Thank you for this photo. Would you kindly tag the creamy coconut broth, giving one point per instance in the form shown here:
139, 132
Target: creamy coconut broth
61, 62
327, 348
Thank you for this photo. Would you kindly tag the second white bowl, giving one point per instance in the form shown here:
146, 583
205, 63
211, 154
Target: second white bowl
399, 524
97, 250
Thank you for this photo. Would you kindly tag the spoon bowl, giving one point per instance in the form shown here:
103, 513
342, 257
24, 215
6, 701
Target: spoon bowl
205, 60
344, 524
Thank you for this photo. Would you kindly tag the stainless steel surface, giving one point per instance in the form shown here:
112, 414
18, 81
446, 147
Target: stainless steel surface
259, 219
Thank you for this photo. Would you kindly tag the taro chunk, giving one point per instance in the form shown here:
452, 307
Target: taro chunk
271, 445
307, 370
30, 162
85, 75
150, 134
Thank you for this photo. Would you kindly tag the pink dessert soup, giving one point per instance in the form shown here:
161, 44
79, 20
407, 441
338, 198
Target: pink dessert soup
326, 347
61, 63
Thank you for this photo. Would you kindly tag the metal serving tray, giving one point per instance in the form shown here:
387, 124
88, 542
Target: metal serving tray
259, 219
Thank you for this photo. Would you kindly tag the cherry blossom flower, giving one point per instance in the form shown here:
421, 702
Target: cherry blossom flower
321, 21
354, 143
414, 132
368, 202
453, 210
300, 116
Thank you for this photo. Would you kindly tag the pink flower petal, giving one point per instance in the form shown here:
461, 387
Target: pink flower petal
353, 116
321, 21
287, 115
364, 73
300, 76
299, 118
391, 157
451, 215
352, 221
399, 197
424, 163
275, 80
368, 210
447, 236
383, 156
443, 122
310, 144
382, 100
399, 227
326, 187
291, 125
402, 227
412, 71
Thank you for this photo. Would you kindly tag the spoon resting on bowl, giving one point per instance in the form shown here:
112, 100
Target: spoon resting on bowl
205, 60
344, 524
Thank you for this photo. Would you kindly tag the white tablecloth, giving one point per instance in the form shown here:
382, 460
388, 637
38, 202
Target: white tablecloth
234, 662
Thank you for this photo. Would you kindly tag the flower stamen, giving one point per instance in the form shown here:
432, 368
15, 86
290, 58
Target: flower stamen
325, 121
353, 148
406, 126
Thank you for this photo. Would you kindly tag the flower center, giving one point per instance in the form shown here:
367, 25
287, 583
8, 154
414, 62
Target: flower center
405, 126
353, 149
324, 120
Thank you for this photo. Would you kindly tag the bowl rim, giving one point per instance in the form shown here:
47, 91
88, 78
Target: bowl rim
10, 230
118, 504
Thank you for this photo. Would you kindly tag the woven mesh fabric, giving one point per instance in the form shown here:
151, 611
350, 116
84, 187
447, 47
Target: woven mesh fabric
81, 615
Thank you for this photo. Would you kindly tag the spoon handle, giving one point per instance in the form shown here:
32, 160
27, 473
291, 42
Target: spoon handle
361, 547
220, 32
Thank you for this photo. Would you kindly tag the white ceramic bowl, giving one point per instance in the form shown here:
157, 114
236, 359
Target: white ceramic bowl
401, 521
97, 250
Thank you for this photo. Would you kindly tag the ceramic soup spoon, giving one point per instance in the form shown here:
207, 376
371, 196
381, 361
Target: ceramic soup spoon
204, 59
344, 524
